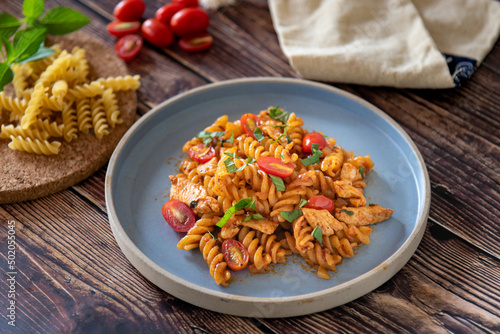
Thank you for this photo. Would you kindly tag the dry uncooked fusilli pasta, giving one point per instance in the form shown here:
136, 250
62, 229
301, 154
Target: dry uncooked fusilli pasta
248, 182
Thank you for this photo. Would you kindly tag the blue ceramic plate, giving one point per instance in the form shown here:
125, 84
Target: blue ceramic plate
137, 186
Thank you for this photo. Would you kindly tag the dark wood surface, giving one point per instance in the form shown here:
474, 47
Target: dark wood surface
72, 276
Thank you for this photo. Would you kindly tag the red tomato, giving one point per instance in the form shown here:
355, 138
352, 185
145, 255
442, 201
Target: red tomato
320, 202
127, 47
189, 21
201, 153
196, 42
178, 215
187, 3
165, 13
249, 122
313, 138
157, 33
119, 28
129, 10
235, 254
275, 166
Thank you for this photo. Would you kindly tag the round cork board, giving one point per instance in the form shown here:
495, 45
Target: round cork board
28, 176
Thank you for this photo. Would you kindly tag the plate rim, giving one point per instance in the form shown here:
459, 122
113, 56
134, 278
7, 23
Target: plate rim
130, 250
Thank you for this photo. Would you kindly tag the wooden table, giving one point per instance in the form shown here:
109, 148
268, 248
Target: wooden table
72, 276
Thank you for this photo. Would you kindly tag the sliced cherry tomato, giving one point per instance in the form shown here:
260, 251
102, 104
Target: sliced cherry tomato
178, 215
119, 28
320, 202
195, 43
249, 122
129, 10
313, 138
127, 47
189, 21
187, 3
157, 33
235, 254
201, 153
165, 13
275, 166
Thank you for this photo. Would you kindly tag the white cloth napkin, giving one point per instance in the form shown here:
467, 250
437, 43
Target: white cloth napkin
399, 43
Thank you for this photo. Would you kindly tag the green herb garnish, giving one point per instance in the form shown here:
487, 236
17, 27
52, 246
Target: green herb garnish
350, 213
278, 182
30, 33
290, 216
318, 234
213, 237
254, 216
282, 135
371, 204
231, 140
208, 136
314, 158
302, 202
362, 171
279, 114
231, 166
258, 134
242, 203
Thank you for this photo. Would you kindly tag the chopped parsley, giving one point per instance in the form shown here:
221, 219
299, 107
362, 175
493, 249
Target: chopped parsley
242, 203
279, 114
350, 213
254, 216
208, 136
278, 182
318, 234
314, 158
290, 216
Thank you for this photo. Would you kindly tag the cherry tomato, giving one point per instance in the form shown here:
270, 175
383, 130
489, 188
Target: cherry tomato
157, 33
235, 254
275, 166
178, 215
320, 202
201, 153
129, 10
119, 28
249, 122
165, 13
127, 47
187, 3
197, 42
189, 21
313, 138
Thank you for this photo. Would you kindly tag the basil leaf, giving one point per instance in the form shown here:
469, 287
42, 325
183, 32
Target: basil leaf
371, 204
362, 171
43, 52
9, 49
289, 139
254, 216
282, 135
213, 237
231, 166
258, 134
231, 140
8, 25
32, 9
242, 203
278, 182
302, 202
279, 114
208, 136
314, 158
290, 216
251, 205
233, 155
63, 20
350, 213
27, 42
318, 234
250, 160
6, 75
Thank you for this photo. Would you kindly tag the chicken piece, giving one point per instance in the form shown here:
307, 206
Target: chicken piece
208, 168
322, 219
365, 215
266, 225
231, 228
193, 195
349, 173
345, 190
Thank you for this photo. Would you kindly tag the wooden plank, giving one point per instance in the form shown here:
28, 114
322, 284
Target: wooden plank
73, 277
447, 286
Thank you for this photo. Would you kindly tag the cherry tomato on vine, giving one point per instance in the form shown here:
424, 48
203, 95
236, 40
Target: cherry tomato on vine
187, 3
127, 47
320, 202
249, 122
235, 254
189, 21
313, 138
119, 28
178, 215
197, 42
165, 13
157, 33
275, 166
129, 10
201, 153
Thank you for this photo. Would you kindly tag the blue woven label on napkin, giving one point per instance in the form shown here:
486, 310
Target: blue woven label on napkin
461, 68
